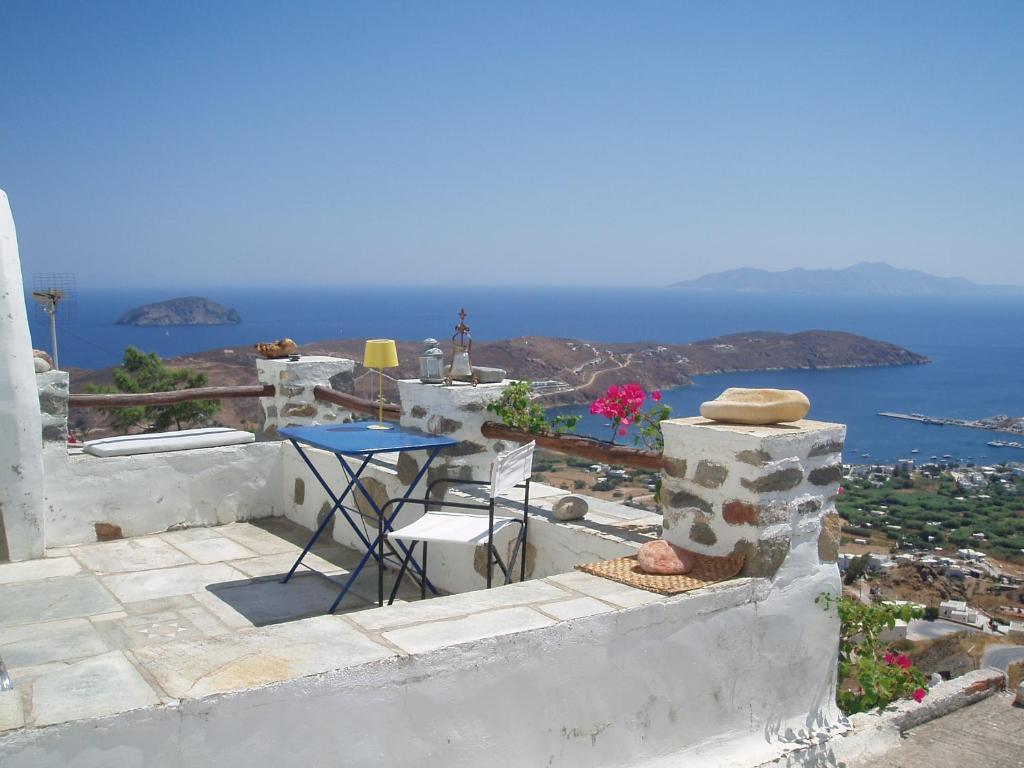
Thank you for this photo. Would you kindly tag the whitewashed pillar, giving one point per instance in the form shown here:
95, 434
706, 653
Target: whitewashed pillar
21, 448
457, 411
764, 490
293, 403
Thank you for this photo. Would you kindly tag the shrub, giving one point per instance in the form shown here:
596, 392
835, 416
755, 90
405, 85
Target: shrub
871, 674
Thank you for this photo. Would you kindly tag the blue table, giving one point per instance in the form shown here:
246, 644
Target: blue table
358, 444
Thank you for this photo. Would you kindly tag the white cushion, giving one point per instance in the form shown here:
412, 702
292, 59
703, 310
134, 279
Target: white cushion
456, 527
157, 442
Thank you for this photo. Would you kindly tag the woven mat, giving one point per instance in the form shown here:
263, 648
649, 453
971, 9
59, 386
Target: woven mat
706, 570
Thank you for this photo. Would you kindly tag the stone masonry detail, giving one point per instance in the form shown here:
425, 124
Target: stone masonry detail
762, 490
293, 403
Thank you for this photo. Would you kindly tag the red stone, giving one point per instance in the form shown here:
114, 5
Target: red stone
664, 558
739, 513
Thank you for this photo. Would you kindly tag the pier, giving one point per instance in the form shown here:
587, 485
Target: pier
1010, 426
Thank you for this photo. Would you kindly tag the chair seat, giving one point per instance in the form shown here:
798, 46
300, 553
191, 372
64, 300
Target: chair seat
456, 527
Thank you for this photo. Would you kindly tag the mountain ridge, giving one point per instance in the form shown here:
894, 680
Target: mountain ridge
863, 278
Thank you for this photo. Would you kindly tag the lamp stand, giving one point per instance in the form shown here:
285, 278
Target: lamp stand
380, 403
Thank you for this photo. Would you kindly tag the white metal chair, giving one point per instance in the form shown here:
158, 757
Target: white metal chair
510, 469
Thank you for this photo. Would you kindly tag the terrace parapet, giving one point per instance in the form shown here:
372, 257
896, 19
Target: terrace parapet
763, 490
294, 402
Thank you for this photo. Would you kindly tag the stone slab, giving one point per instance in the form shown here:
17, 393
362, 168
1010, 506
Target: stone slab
44, 568
50, 599
12, 713
440, 634
95, 687
30, 645
575, 609
125, 555
603, 589
278, 565
269, 538
256, 657
166, 582
271, 602
451, 606
215, 549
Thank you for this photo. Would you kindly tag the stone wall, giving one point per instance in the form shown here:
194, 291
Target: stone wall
53, 406
457, 411
21, 455
763, 490
293, 403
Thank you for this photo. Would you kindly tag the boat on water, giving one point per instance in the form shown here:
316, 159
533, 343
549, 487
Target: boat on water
915, 450
1005, 444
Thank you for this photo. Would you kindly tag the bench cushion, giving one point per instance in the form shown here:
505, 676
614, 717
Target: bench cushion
157, 442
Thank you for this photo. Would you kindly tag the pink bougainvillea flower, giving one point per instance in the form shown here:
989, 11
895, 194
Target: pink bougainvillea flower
890, 658
656, 396
919, 695
904, 661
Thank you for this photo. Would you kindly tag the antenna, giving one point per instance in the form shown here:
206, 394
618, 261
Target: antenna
55, 293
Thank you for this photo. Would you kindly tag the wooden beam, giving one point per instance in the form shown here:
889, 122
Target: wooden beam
129, 400
392, 411
577, 445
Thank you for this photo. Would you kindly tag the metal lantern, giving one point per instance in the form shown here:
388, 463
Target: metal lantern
431, 363
462, 344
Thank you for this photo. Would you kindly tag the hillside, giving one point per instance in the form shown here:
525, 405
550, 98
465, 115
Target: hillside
575, 370
189, 310
865, 278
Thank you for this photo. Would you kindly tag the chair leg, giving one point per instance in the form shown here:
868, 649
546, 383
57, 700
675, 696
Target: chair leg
490, 543
519, 550
423, 576
526, 523
401, 572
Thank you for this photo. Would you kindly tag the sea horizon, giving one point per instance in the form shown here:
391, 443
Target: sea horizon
976, 368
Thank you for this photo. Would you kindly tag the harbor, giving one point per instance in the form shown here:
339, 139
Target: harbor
1013, 425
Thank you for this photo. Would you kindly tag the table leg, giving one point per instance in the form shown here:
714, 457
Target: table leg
337, 501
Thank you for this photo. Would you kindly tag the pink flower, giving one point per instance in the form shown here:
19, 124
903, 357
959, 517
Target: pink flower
656, 396
919, 695
890, 658
904, 661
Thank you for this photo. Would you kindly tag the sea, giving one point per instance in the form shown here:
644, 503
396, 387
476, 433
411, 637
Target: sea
975, 344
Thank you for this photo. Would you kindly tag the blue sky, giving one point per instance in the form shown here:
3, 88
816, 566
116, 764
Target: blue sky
571, 143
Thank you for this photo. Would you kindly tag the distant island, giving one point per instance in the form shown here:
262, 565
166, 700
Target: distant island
188, 310
865, 278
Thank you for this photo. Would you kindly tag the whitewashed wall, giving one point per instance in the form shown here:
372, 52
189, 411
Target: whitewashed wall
150, 493
21, 460
725, 677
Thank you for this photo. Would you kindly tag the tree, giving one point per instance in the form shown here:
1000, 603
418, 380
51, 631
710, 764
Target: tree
144, 372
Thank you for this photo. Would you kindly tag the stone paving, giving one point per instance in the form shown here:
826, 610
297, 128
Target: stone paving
989, 733
97, 629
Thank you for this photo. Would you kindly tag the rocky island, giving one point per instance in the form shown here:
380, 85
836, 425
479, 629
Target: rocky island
188, 310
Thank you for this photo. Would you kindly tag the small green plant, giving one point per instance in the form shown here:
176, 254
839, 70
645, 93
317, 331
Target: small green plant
871, 674
517, 409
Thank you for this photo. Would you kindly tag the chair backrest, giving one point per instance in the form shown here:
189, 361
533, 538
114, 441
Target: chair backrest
511, 468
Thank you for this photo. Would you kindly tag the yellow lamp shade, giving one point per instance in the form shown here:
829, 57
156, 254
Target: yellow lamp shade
380, 353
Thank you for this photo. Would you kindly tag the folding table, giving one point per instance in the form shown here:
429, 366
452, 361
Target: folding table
355, 446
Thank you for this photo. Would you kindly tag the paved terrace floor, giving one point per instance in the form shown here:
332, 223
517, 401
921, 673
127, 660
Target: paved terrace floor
96, 629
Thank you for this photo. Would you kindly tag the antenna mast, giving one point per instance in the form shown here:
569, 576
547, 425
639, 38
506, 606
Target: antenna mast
51, 291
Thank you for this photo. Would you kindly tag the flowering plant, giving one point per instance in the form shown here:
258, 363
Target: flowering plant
870, 674
623, 407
